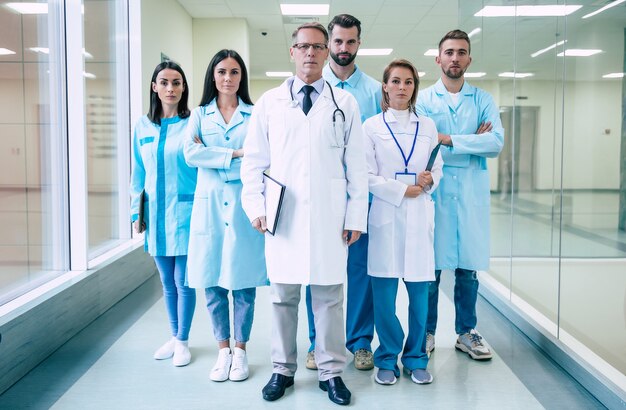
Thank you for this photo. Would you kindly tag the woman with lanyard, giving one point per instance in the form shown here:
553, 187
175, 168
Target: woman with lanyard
401, 221
160, 171
225, 252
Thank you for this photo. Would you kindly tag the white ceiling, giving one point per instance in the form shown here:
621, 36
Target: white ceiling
411, 27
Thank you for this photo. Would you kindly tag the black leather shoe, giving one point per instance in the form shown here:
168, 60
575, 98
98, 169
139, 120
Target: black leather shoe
337, 391
275, 388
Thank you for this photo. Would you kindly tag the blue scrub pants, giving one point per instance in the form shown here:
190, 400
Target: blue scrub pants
389, 329
465, 295
359, 304
243, 312
180, 300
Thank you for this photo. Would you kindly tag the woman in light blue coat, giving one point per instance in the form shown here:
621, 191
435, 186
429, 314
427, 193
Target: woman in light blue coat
225, 252
159, 169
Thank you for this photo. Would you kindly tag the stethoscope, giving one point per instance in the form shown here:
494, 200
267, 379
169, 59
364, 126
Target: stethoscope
338, 111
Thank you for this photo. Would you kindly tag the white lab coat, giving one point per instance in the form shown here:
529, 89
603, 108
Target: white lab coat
400, 230
325, 179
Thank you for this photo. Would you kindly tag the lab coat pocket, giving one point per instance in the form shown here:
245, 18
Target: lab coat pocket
339, 196
336, 133
200, 216
480, 191
381, 213
430, 215
148, 150
183, 213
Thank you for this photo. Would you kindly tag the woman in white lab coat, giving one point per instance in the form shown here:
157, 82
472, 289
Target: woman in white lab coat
401, 221
225, 252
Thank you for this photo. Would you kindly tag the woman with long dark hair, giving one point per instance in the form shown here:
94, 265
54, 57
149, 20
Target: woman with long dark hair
225, 252
160, 171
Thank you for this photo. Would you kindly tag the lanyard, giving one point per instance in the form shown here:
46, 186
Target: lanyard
406, 160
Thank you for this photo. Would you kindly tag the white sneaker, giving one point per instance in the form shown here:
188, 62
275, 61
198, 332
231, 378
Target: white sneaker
182, 355
472, 344
239, 368
220, 371
166, 351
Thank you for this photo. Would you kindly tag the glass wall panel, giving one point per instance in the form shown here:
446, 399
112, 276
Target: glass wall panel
593, 293
107, 108
33, 238
556, 186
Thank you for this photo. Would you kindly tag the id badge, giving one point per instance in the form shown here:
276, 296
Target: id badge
409, 178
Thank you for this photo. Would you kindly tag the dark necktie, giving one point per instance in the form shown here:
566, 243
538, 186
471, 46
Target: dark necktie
307, 103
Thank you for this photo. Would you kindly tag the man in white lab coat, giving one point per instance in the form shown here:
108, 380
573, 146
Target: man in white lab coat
310, 135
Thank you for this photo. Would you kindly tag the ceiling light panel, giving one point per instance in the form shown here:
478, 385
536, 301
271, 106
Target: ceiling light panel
579, 52
278, 74
29, 8
509, 74
432, 52
6, 52
374, 51
304, 9
608, 6
555, 45
474, 75
527, 11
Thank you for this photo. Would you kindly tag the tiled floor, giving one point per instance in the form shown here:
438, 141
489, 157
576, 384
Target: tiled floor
109, 366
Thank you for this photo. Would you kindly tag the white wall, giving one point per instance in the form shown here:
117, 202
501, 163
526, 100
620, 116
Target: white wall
258, 87
211, 36
165, 28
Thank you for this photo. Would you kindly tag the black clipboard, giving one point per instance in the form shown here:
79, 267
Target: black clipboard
433, 157
274, 193
140, 217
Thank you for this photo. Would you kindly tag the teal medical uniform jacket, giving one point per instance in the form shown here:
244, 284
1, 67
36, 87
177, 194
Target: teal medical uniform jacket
159, 167
462, 199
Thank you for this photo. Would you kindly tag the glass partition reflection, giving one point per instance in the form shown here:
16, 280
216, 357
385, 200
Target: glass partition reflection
33, 238
557, 244
106, 108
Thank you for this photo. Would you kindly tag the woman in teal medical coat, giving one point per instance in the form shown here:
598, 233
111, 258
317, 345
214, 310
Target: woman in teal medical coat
160, 170
225, 252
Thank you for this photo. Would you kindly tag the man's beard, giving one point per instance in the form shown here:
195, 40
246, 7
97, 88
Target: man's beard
454, 75
342, 61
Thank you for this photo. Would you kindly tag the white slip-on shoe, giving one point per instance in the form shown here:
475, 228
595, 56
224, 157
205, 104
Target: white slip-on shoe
220, 371
182, 355
239, 367
166, 351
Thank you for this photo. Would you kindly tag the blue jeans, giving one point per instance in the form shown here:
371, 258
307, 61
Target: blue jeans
389, 329
465, 295
359, 304
180, 300
243, 307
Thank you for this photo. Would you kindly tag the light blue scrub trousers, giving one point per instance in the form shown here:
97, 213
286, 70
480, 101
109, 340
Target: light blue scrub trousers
465, 295
243, 312
359, 304
180, 300
389, 329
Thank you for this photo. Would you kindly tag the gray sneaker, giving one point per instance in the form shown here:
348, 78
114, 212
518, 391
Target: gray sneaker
363, 359
430, 343
419, 376
385, 377
472, 344
310, 360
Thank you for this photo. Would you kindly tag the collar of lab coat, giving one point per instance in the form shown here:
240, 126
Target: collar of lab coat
466, 90
389, 117
352, 81
325, 96
237, 118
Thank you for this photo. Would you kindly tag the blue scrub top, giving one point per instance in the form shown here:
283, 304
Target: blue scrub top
159, 167
365, 89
